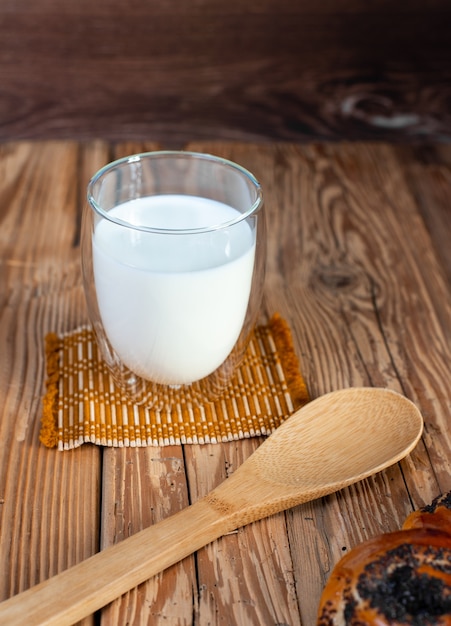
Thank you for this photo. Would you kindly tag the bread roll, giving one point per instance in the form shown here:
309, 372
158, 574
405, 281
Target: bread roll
401, 578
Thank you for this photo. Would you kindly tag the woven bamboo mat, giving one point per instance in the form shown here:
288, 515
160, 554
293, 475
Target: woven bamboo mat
82, 403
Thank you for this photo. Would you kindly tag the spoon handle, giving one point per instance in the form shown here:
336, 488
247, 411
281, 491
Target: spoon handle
82, 589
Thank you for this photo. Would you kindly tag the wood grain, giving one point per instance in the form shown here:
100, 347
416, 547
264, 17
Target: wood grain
50, 502
358, 264
237, 70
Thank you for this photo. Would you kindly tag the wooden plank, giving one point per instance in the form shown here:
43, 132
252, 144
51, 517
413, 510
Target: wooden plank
201, 7
142, 487
427, 169
245, 71
49, 501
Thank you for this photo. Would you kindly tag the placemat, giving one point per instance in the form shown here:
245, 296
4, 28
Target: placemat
82, 403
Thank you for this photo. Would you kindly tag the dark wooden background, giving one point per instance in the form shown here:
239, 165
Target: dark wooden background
177, 70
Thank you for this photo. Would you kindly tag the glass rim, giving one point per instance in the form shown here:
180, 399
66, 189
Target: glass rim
134, 158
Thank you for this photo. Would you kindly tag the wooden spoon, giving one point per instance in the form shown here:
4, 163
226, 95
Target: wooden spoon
332, 442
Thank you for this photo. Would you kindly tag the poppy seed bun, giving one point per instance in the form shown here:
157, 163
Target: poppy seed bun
396, 579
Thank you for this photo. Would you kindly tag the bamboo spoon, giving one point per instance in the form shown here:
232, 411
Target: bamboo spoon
332, 442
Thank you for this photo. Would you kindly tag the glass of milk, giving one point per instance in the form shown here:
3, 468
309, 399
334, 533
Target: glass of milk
173, 254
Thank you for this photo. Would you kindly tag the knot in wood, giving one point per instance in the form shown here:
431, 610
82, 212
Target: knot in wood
336, 278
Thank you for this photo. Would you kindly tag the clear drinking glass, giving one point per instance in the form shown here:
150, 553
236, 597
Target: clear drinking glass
173, 256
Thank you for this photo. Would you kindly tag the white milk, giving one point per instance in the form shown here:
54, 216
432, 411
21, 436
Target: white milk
173, 305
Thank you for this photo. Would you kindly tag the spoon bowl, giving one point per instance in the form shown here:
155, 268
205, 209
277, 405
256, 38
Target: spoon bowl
342, 436
332, 442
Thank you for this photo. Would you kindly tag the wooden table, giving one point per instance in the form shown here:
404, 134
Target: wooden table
359, 264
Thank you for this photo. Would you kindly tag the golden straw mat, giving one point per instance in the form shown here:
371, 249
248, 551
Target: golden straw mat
82, 404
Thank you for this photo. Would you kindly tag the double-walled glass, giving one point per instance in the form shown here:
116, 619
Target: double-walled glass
173, 254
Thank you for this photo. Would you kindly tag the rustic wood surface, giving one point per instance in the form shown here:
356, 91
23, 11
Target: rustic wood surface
358, 264
241, 69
